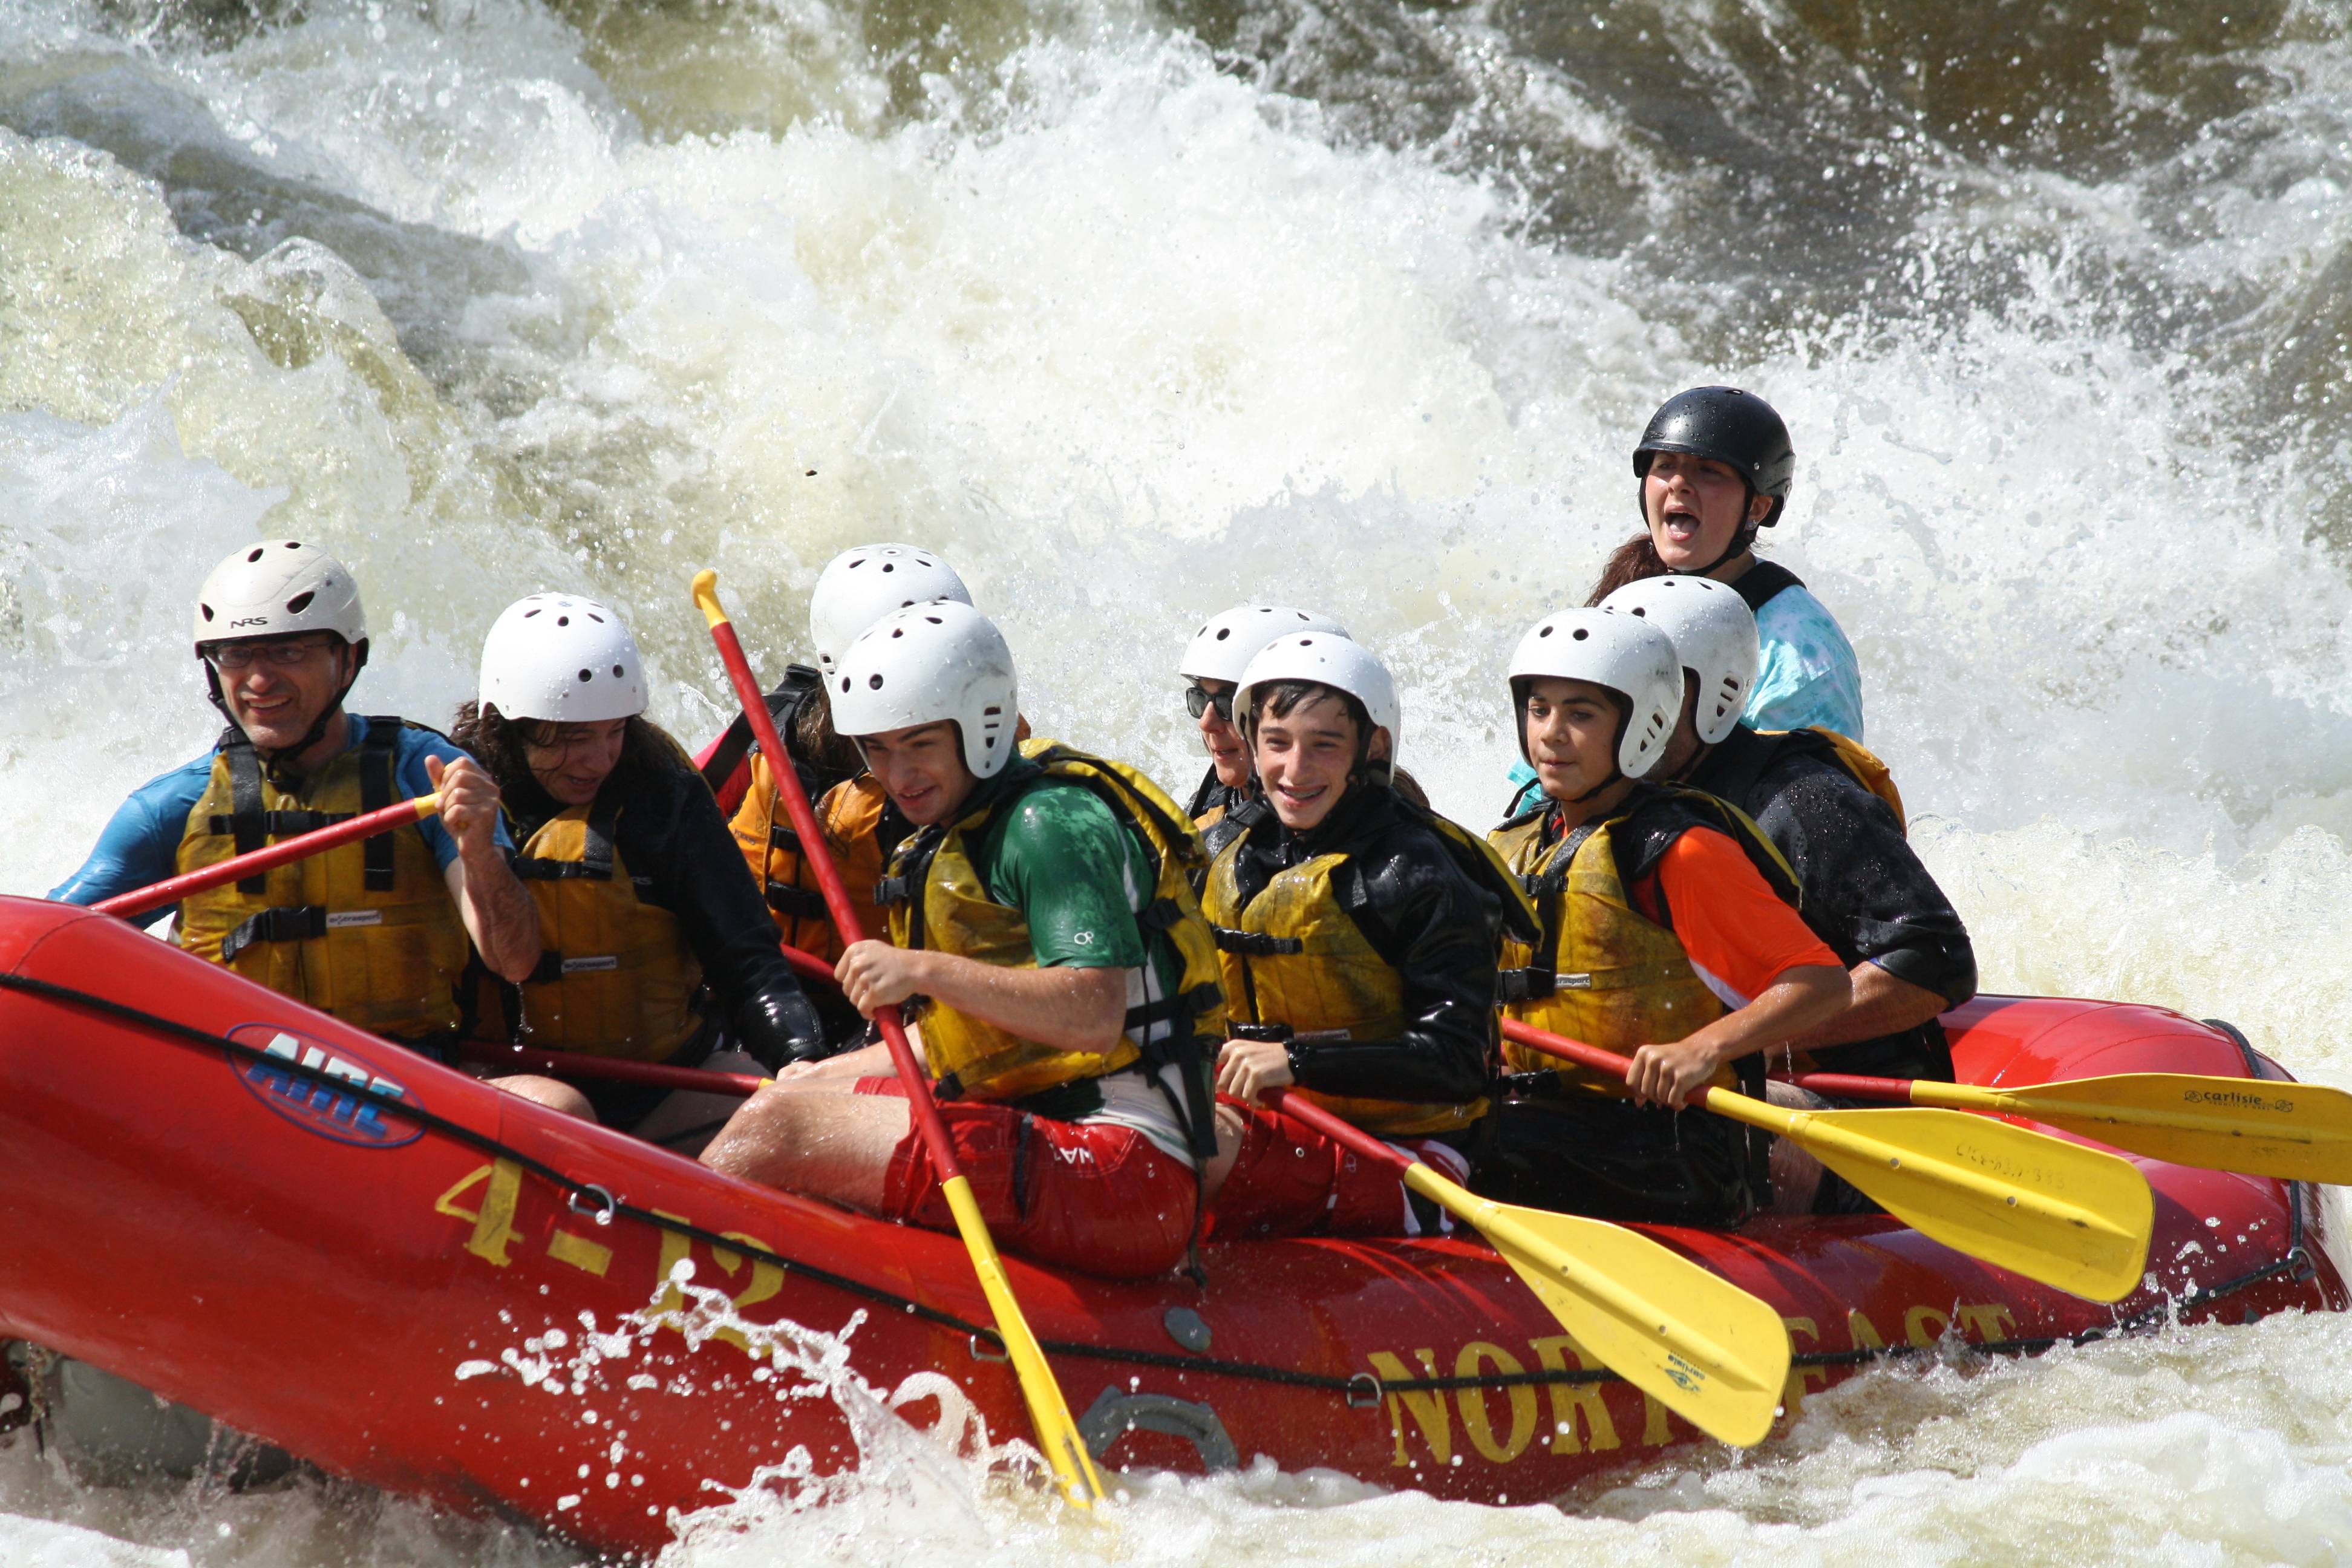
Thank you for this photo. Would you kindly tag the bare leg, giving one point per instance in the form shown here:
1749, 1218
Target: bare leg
553, 1093
1796, 1175
834, 1146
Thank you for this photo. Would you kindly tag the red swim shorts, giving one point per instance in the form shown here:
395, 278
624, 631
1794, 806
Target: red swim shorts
1290, 1180
1089, 1195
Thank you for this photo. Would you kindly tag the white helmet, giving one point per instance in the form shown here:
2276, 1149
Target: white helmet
1714, 634
860, 587
1335, 660
926, 663
1223, 648
1622, 652
276, 588
561, 657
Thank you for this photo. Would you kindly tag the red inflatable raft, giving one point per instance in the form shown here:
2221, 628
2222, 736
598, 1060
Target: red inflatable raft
475, 1309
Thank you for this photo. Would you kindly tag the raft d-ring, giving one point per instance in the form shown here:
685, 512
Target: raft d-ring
2300, 1268
1363, 1391
607, 1204
982, 1350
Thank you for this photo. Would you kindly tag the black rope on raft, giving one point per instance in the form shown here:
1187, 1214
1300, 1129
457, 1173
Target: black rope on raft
1354, 1388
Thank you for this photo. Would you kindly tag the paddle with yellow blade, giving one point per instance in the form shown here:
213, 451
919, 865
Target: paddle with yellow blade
2070, 1216
1704, 1348
1049, 1413
2293, 1131
301, 847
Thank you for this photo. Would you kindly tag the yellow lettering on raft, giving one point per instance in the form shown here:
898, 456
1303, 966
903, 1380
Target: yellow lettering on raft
1570, 1400
1792, 1394
767, 1279
1916, 1329
579, 1252
1984, 1319
1861, 1332
1427, 1407
1475, 1420
494, 1228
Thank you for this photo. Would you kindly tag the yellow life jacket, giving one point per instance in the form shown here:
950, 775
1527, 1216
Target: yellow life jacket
367, 932
615, 977
1295, 959
851, 816
1867, 770
937, 900
1603, 971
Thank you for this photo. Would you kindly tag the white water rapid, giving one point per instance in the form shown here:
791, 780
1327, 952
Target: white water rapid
1137, 311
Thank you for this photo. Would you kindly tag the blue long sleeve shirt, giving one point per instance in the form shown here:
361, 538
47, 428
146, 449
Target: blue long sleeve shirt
140, 844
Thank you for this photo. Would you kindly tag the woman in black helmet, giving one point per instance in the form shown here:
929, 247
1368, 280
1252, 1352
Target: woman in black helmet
1714, 465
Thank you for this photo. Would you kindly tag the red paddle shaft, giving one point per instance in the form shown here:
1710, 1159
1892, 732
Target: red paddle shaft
1852, 1085
572, 1064
814, 855
301, 847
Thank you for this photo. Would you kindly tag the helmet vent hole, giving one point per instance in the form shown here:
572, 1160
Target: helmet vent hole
873, 682
991, 712
598, 619
935, 620
1640, 611
1544, 632
897, 632
1580, 633
290, 544
299, 603
207, 610
527, 613
253, 555
889, 566
844, 683
856, 564
563, 620
1224, 632
587, 675
617, 673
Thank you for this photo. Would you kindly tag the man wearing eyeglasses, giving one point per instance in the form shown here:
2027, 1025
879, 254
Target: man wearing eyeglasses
1212, 667
376, 933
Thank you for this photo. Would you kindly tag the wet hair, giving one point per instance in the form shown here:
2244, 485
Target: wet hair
497, 743
813, 741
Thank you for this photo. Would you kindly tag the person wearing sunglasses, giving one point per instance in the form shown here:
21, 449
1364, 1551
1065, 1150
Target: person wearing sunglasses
657, 944
376, 933
1212, 667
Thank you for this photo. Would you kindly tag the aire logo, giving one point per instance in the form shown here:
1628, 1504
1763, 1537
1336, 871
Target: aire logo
348, 1115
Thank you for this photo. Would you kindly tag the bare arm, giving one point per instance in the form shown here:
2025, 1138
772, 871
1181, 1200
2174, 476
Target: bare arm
1068, 1009
1882, 1004
1798, 999
498, 910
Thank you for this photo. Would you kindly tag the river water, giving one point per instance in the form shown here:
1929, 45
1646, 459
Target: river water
1137, 311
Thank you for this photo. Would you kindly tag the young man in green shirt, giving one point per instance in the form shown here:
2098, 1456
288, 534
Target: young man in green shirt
1046, 943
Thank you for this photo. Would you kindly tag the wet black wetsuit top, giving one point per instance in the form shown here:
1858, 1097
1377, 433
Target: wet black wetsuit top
1425, 916
682, 858
1864, 891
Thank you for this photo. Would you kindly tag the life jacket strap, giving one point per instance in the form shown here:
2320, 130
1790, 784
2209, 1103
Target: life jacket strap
798, 902
596, 854
1513, 987
1255, 944
289, 922
782, 837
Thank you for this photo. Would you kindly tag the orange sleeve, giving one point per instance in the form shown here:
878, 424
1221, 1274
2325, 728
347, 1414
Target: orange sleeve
1739, 935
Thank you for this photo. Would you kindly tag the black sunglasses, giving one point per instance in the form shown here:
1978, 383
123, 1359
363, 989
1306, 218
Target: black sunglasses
1197, 702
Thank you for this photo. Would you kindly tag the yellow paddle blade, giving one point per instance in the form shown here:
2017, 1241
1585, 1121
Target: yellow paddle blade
2295, 1132
1706, 1350
1057, 1433
2072, 1218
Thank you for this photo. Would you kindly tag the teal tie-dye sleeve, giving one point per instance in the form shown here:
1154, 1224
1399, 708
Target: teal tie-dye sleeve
1808, 674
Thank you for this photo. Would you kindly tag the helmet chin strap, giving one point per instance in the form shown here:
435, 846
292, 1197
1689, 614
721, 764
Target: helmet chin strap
274, 757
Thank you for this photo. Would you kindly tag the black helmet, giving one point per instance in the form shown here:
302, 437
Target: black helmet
1731, 426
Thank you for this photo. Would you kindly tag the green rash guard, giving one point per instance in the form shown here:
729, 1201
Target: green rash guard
1079, 879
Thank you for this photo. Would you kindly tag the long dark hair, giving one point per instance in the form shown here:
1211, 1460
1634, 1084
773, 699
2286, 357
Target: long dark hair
1631, 561
496, 741
814, 742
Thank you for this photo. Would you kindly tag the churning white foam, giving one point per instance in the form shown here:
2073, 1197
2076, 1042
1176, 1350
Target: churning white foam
1133, 340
